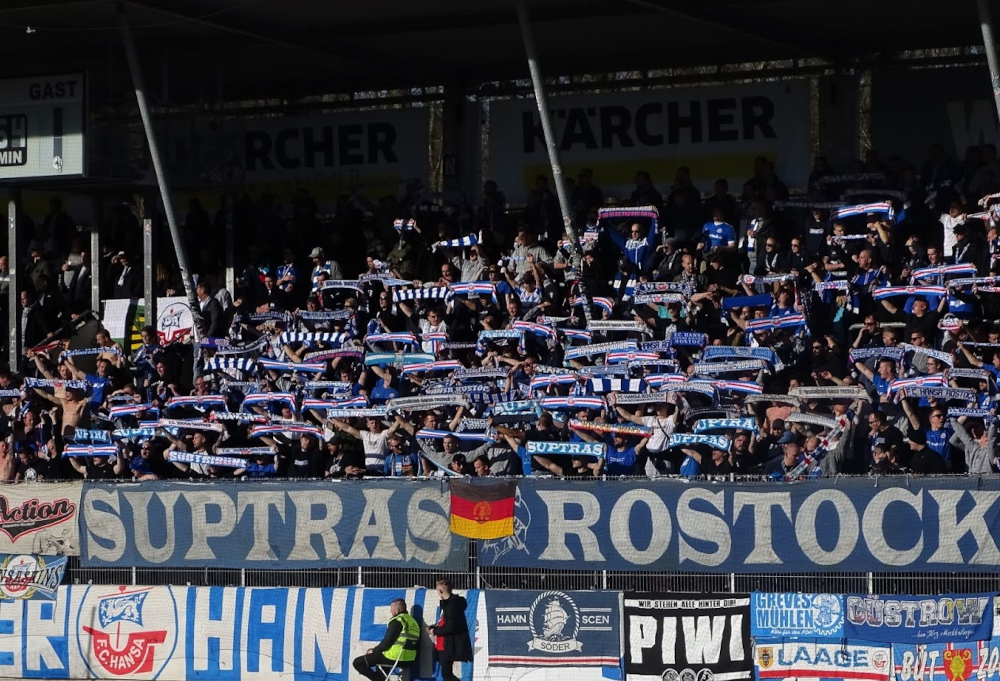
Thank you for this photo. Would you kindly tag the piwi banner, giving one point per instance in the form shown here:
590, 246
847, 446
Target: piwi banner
715, 131
29, 577
796, 614
686, 636
206, 633
794, 660
40, 518
553, 628
815, 526
919, 619
270, 525
947, 661
950, 107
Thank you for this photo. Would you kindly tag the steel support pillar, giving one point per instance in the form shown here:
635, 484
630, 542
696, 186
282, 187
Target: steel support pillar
550, 144
161, 176
95, 265
231, 199
986, 24
149, 272
14, 291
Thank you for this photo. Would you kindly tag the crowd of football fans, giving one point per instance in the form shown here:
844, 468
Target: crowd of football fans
847, 329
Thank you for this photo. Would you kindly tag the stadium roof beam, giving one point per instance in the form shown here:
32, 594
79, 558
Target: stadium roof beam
689, 14
276, 40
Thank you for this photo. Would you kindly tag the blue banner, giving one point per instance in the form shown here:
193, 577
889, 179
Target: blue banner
919, 619
947, 661
797, 615
27, 577
270, 525
546, 628
171, 633
928, 525
818, 661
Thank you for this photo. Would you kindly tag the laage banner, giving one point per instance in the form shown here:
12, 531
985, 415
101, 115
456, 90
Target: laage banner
816, 526
794, 660
270, 525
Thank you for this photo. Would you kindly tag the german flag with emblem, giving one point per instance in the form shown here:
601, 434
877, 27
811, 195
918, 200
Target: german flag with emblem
482, 509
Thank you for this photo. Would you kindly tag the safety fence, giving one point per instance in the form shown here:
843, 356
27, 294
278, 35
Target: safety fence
231, 634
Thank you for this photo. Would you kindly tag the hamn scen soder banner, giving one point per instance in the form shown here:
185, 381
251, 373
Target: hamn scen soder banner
813, 526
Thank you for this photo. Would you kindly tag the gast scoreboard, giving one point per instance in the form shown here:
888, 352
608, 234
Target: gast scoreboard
42, 123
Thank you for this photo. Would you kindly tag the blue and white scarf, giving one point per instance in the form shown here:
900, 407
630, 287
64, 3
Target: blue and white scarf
464, 242
90, 450
219, 461
290, 367
707, 425
431, 293
230, 364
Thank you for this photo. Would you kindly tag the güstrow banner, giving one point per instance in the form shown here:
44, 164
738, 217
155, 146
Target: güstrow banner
716, 131
852, 525
277, 525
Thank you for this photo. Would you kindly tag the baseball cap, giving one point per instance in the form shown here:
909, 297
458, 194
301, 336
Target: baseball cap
316, 252
789, 436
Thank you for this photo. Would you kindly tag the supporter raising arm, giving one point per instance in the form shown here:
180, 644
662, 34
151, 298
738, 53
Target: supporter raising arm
639, 247
979, 443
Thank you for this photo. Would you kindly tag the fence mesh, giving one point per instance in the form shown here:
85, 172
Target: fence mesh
904, 583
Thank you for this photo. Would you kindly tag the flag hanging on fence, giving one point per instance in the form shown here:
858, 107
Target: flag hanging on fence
482, 509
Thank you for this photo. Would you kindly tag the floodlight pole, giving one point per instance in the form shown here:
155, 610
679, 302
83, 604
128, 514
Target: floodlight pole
550, 144
13, 292
986, 24
161, 176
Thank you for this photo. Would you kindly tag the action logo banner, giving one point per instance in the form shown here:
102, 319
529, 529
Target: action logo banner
553, 628
814, 660
919, 619
687, 636
40, 519
796, 614
28, 577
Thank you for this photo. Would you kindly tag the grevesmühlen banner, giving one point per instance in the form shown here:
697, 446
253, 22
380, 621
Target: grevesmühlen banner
278, 525
931, 525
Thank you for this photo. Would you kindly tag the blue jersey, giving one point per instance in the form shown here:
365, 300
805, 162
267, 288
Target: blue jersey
690, 468
716, 234
620, 463
938, 440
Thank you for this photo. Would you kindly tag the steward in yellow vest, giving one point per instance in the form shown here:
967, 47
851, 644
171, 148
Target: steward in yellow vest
398, 647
